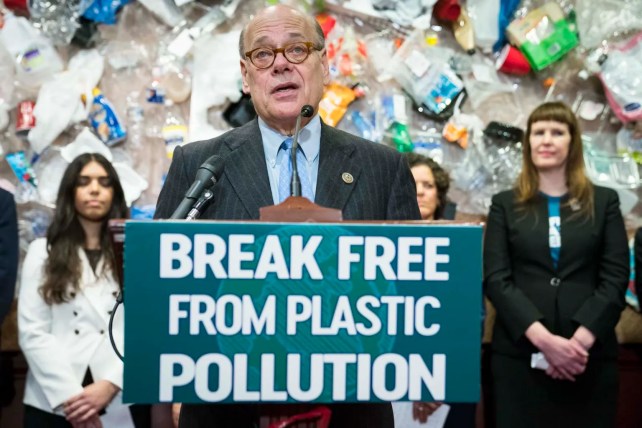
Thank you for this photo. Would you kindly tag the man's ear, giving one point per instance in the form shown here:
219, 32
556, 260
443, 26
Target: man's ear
326, 68
244, 76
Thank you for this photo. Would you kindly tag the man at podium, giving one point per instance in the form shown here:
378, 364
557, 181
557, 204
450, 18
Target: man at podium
284, 67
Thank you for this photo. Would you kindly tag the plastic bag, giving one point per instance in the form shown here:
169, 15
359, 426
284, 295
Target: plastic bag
620, 74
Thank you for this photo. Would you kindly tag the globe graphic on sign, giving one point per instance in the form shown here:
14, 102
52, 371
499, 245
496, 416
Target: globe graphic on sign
330, 288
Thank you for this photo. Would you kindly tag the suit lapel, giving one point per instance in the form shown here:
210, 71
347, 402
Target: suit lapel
246, 169
335, 160
91, 286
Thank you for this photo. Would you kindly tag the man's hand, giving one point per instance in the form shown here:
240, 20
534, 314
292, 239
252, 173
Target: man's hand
90, 402
422, 409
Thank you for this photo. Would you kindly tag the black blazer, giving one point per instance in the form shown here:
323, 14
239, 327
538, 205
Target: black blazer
382, 186
637, 251
8, 251
587, 287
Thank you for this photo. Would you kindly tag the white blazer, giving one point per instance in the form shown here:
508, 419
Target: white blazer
60, 341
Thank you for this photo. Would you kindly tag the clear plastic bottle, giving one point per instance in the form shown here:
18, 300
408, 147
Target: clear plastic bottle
136, 134
174, 129
35, 58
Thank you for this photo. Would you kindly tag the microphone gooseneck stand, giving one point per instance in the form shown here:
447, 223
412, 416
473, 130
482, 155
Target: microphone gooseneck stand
295, 181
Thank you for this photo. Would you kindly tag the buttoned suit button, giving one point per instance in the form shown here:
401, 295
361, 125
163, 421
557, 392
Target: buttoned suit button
76, 331
555, 282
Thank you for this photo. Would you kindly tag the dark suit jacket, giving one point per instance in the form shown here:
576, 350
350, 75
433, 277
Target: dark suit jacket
8, 251
587, 287
637, 249
383, 187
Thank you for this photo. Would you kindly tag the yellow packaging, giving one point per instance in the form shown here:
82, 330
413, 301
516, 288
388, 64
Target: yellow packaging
335, 102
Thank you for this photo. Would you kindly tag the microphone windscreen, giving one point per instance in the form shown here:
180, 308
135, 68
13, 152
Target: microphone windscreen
212, 167
307, 110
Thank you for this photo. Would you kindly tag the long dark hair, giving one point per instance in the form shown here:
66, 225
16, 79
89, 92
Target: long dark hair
65, 234
442, 180
579, 186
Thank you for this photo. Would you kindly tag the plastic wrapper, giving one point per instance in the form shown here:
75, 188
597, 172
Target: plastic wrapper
85, 142
35, 58
620, 73
213, 88
7, 71
166, 11
56, 19
599, 20
425, 73
58, 103
607, 168
428, 143
460, 126
50, 165
347, 55
544, 35
104, 11
133, 184
483, 82
335, 102
34, 221
485, 17
490, 165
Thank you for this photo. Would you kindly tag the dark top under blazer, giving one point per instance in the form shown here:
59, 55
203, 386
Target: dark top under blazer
382, 189
587, 287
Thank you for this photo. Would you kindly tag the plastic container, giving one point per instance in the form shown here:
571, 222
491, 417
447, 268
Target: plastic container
104, 120
543, 35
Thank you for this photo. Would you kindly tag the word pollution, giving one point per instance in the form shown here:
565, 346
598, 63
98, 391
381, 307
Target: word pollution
408, 258
387, 377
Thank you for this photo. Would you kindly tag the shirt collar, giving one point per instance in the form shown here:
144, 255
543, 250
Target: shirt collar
309, 139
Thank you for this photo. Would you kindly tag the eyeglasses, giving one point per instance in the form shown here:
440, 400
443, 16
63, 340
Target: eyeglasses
295, 53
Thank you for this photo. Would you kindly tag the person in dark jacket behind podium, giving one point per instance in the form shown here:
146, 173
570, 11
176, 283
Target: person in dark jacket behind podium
432, 183
556, 267
8, 251
284, 67
8, 272
637, 252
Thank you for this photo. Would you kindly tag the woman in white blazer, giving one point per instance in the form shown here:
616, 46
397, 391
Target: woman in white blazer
67, 293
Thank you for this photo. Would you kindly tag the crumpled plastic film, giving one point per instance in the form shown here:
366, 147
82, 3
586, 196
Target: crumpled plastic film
598, 20
56, 19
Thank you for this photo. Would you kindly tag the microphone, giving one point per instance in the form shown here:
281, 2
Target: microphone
295, 183
206, 177
200, 205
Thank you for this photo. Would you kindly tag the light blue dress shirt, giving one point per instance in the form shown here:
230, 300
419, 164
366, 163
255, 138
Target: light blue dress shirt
309, 143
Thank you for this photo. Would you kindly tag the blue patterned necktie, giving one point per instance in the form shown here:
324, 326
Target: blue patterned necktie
285, 176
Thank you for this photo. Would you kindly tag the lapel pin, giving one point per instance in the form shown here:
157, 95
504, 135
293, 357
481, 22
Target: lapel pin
347, 177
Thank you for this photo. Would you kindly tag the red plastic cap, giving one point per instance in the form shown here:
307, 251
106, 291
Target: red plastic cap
447, 10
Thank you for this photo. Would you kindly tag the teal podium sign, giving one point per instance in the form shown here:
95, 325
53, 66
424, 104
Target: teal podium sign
302, 312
